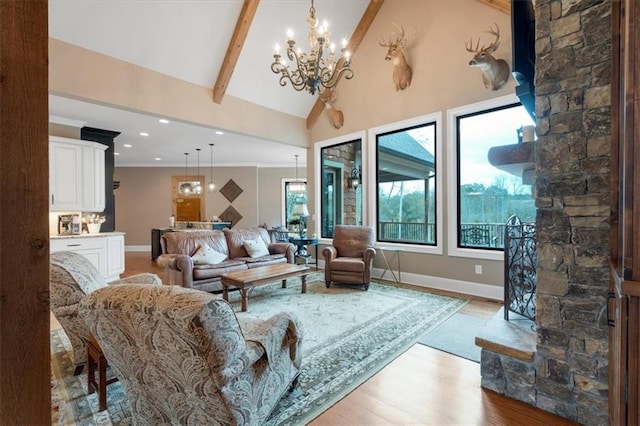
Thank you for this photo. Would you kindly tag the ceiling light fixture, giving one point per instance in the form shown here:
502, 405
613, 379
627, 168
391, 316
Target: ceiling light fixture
211, 186
144, 134
185, 187
164, 121
297, 186
198, 187
126, 145
312, 72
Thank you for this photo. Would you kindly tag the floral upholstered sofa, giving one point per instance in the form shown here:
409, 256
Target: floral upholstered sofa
229, 250
184, 358
71, 277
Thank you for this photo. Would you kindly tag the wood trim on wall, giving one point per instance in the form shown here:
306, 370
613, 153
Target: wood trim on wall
25, 396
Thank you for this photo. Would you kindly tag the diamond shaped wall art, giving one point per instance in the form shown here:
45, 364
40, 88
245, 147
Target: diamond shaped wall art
231, 190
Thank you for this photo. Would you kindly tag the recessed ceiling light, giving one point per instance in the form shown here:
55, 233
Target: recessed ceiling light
126, 145
158, 158
144, 134
116, 153
218, 132
164, 121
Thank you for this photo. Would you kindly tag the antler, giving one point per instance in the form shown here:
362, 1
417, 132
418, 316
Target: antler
400, 39
491, 48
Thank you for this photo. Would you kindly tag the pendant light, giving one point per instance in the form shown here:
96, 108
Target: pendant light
297, 186
212, 186
198, 187
185, 187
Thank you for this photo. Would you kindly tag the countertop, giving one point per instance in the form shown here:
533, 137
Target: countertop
101, 234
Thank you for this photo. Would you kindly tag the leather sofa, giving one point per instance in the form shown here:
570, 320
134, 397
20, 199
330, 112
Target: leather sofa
179, 267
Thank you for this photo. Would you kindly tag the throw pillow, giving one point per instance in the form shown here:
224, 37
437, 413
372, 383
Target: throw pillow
255, 248
207, 255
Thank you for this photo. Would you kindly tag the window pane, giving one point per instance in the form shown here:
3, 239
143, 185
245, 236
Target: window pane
406, 179
488, 196
293, 197
341, 186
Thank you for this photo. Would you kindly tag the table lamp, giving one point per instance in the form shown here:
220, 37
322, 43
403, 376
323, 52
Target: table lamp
300, 210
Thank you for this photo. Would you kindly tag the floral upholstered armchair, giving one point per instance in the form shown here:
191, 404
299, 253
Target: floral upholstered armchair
184, 358
71, 277
350, 258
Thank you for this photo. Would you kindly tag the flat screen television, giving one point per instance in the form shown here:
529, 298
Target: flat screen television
523, 39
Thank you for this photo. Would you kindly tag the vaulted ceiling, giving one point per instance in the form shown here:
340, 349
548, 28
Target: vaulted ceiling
226, 45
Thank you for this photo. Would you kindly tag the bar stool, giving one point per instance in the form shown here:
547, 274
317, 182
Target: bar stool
95, 357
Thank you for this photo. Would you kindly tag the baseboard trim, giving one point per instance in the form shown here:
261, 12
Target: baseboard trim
487, 291
137, 248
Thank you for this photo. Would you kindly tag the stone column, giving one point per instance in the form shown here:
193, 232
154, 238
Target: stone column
573, 62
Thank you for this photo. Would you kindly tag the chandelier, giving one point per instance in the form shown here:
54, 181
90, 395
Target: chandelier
212, 185
297, 186
310, 71
185, 187
198, 188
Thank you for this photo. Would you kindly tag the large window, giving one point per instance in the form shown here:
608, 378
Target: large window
406, 185
486, 195
340, 186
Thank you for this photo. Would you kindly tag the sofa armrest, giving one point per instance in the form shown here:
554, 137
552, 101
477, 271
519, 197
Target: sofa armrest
144, 278
178, 269
279, 333
329, 253
288, 249
368, 255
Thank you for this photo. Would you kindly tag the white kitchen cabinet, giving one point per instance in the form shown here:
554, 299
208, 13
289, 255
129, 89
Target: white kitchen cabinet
76, 175
105, 251
115, 256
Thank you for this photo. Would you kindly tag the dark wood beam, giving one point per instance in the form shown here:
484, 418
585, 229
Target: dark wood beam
235, 47
354, 42
25, 391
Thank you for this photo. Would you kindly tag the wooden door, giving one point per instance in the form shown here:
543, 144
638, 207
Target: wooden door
624, 242
188, 209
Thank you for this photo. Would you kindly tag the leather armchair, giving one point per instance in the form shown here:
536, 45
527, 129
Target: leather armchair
184, 358
350, 258
71, 277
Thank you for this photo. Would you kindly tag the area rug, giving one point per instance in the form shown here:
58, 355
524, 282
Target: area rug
349, 335
456, 336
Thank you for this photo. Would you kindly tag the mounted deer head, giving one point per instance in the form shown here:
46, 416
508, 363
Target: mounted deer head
495, 72
328, 97
402, 72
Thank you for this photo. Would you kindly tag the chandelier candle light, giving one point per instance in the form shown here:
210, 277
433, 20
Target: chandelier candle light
312, 72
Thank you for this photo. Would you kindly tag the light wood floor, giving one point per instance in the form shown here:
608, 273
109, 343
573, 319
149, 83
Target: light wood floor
423, 386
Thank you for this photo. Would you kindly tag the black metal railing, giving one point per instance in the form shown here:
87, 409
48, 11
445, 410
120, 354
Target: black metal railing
489, 235
520, 258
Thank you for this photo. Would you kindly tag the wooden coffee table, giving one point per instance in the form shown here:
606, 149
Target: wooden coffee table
249, 278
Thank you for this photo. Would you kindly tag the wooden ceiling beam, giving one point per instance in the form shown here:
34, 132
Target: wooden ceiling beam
240, 32
356, 38
503, 6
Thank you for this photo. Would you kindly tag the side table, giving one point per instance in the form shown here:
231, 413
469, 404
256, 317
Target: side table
301, 244
95, 358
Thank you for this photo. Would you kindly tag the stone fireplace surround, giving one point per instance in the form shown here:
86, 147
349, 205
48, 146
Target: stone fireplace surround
562, 367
